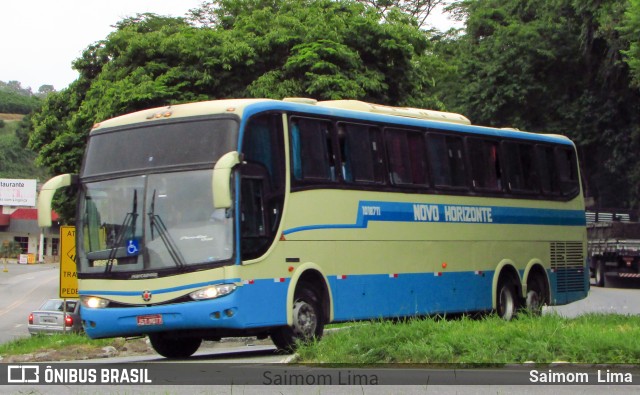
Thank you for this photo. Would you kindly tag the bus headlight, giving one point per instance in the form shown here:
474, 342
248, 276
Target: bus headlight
94, 302
212, 292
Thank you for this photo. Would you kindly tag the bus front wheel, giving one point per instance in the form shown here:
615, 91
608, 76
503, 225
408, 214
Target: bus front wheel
308, 323
174, 346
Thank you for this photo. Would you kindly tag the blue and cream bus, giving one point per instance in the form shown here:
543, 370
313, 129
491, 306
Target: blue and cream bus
273, 218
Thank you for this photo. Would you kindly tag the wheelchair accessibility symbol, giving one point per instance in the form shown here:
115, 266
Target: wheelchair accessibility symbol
132, 247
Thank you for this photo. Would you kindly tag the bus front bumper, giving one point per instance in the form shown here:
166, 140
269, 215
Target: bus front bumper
222, 313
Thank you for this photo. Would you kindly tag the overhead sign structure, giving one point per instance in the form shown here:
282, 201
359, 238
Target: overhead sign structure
17, 192
68, 270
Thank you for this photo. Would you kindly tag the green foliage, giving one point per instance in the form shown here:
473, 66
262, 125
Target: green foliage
630, 30
17, 161
33, 344
419, 10
563, 66
10, 249
555, 67
15, 103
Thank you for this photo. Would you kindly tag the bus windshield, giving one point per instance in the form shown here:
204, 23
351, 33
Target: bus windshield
146, 201
152, 222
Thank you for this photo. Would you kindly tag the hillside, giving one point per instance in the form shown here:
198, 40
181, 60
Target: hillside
14, 100
15, 160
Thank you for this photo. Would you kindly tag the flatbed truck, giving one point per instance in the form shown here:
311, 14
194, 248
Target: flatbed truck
613, 246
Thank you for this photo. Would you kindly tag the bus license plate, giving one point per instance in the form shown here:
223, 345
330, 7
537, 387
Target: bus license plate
152, 319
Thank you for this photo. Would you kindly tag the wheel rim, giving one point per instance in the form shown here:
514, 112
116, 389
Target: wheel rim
305, 320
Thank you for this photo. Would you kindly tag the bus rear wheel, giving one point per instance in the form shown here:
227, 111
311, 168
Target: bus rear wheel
308, 323
507, 300
536, 296
174, 346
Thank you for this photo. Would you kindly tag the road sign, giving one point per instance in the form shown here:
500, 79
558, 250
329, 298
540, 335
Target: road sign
68, 271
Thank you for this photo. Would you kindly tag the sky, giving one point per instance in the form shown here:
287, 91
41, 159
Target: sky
39, 39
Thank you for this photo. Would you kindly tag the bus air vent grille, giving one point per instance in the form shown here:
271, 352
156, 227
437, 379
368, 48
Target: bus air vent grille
567, 260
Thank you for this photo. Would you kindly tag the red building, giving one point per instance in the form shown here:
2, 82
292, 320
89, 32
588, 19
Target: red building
20, 224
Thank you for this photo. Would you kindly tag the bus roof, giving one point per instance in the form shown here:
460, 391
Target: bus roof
354, 109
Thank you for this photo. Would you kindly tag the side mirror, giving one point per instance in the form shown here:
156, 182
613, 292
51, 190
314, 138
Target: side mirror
222, 179
46, 196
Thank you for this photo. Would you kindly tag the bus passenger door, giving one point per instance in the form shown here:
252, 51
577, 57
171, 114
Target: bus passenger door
254, 223
262, 185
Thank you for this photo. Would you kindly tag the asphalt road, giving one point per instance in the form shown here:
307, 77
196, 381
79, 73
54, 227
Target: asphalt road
23, 288
622, 298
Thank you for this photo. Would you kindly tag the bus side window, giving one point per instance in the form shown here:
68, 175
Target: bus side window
257, 146
522, 171
485, 164
406, 157
296, 160
345, 154
311, 150
549, 178
567, 170
362, 154
446, 160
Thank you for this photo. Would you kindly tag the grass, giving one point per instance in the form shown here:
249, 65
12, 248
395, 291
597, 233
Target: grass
33, 344
590, 339
10, 122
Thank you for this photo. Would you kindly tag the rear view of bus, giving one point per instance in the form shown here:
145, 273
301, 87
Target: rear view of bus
273, 218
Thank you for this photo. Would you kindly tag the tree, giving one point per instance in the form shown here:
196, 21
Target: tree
16, 87
44, 90
417, 9
237, 48
555, 67
630, 29
16, 161
14, 101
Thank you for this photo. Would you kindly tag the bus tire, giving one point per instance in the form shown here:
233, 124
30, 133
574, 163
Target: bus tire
174, 346
308, 322
507, 305
536, 296
600, 274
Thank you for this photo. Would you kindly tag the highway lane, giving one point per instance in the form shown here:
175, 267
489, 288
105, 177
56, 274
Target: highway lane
23, 288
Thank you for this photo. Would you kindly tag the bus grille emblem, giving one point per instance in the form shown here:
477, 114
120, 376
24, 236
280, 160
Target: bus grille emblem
146, 296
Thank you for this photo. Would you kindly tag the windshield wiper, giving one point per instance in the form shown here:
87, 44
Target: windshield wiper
129, 222
155, 222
